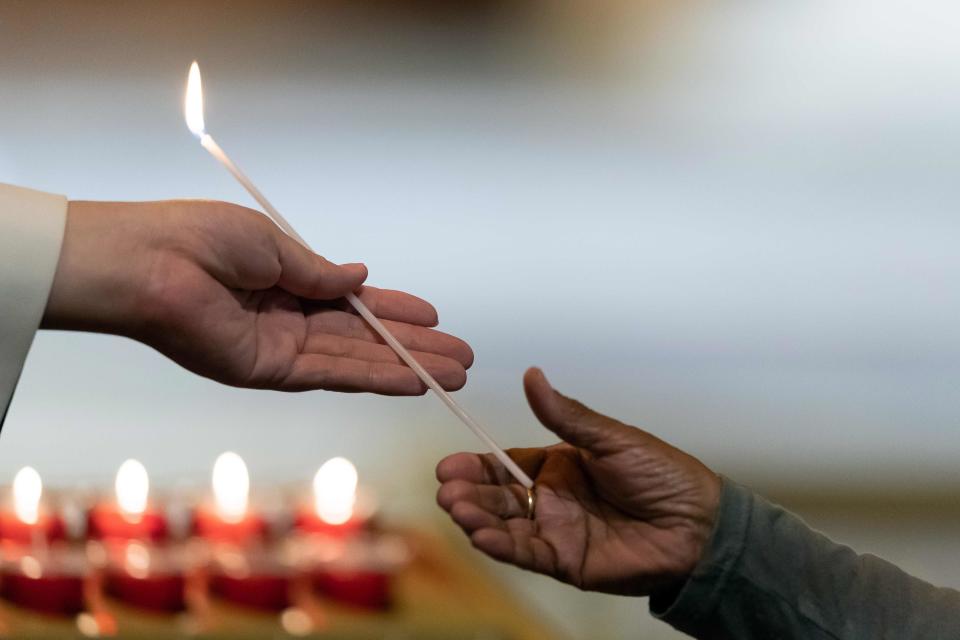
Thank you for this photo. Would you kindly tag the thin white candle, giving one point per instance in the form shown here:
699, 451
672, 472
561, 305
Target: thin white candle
194, 117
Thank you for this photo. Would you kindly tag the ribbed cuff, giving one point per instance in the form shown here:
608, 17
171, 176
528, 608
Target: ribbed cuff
697, 600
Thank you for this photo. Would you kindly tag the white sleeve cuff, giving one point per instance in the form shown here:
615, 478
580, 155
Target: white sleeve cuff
31, 232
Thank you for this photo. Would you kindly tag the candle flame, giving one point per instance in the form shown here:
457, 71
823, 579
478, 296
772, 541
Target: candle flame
231, 486
27, 489
335, 490
132, 487
193, 103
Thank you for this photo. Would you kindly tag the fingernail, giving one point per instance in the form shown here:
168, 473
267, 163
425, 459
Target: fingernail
356, 267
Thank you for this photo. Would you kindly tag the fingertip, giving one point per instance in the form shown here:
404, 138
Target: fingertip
450, 468
536, 387
482, 536
493, 542
446, 468
442, 470
469, 356
455, 380
355, 271
460, 351
341, 279
547, 404
309, 275
432, 317
452, 492
533, 379
446, 496
536, 376
443, 498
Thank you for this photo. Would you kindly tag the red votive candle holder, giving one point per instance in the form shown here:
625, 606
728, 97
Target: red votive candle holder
142, 574
130, 515
228, 517
163, 592
50, 580
107, 521
253, 576
26, 519
361, 588
359, 570
47, 528
208, 524
307, 521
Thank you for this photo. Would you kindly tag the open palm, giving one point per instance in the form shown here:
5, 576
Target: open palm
221, 290
617, 510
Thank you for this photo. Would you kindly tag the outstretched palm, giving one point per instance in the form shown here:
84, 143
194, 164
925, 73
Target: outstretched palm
617, 509
231, 298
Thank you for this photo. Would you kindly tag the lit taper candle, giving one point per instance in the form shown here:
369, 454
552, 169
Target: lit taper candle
194, 116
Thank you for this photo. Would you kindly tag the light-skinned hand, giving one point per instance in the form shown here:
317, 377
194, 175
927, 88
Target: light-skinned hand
221, 290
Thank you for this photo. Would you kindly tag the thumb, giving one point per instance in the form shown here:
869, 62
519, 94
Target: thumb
574, 422
307, 275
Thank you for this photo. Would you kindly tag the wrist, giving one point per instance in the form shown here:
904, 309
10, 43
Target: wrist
701, 523
688, 607
705, 520
103, 263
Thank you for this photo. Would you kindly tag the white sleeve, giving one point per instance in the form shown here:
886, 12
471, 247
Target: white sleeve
31, 232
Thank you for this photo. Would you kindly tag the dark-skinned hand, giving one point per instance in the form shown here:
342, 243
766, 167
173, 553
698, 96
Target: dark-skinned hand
618, 510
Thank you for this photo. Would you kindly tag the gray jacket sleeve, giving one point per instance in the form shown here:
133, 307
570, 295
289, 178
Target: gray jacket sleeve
766, 575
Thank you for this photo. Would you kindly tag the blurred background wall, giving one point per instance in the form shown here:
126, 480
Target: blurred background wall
735, 224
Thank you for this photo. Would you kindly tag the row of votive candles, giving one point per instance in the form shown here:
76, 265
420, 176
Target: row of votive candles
128, 551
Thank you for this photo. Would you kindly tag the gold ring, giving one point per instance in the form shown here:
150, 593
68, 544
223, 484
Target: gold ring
531, 503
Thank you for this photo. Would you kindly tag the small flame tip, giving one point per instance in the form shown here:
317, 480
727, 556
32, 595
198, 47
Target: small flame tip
193, 103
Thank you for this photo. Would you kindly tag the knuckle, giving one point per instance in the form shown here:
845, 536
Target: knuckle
371, 376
